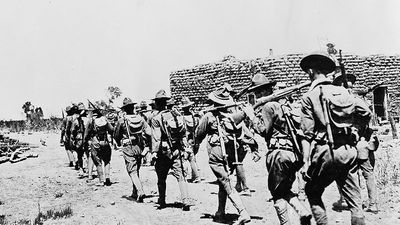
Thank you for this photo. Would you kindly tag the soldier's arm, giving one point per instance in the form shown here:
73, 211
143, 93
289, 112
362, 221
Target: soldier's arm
68, 128
155, 135
63, 126
118, 132
146, 132
307, 129
88, 130
363, 117
201, 129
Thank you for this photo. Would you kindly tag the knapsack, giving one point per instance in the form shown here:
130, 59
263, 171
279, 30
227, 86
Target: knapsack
341, 112
134, 123
174, 124
100, 127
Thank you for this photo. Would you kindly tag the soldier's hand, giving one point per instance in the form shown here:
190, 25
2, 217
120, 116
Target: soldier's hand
303, 172
153, 156
249, 111
256, 157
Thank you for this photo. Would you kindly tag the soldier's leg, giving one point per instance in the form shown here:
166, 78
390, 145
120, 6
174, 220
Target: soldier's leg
90, 165
106, 157
241, 180
368, 173
98, 163
352, 194
194, 167
178, 173
224, 181
162, 166
70, 155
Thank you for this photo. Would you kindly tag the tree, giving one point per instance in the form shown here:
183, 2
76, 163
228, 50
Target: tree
113, 93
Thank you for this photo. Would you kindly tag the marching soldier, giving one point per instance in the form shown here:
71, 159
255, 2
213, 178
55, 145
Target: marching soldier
71, 144
131, 132
98, 134
334, 155
168, 132
77, 132
219, 142
281, 159
65, 138
191, 123
367, 165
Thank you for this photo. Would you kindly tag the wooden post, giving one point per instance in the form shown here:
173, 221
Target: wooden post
393, 125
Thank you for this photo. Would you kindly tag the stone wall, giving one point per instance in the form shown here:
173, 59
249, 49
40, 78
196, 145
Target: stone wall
200, 80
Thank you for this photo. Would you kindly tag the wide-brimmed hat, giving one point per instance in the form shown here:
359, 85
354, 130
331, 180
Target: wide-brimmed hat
185, 102
143, 105
81, 106
170, 102
68, 109
161, 94
339, 80
221, 97
260, 80
318, 60
127, 102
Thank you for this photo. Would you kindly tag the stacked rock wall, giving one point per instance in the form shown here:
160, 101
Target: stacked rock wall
197, 82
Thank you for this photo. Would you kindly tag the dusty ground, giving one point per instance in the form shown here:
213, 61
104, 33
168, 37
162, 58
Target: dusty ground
26, 185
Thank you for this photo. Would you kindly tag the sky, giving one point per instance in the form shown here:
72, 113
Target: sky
54, 52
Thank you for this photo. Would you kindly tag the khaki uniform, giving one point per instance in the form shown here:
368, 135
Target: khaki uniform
323, 170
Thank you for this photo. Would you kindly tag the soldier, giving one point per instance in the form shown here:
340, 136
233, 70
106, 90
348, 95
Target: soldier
330, 160
281, 160
71, 144
366, 166
131, 132
191, 123
168, 132
97, 133
218, 144
77, 132
65, 138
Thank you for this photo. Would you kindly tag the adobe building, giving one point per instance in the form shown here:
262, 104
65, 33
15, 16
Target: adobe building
200, 80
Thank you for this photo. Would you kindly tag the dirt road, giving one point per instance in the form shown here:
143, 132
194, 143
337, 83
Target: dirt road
47, 182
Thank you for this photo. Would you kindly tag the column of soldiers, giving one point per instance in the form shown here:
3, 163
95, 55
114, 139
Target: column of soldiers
325, 137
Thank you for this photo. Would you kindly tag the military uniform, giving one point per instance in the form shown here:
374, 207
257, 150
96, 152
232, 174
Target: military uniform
281, 161
192, 148
78, 125
65, 138
97, 134
323, 170
167, 151
208, 127
133, 141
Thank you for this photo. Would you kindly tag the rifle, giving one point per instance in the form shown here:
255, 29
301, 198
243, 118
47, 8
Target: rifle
242, 92
327, 122
293, 134
62, 113
280, 94
170, 144
219, 108
94, 107
222, 143
342, 70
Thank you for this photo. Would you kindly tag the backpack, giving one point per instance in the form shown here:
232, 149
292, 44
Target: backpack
100, 127
341, 106
174, 125
134, 123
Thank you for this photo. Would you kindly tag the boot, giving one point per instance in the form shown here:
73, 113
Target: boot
319, 215
220, 214
183, 187
373, 208
244, 216
282, 211
357, 220
302, 211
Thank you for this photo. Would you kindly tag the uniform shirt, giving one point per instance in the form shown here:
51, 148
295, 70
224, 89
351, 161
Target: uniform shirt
191, 123
91, 131
78, 127
121, 132
312, 117
270, 122
158, 134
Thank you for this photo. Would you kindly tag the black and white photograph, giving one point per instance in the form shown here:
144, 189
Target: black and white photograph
177, 112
